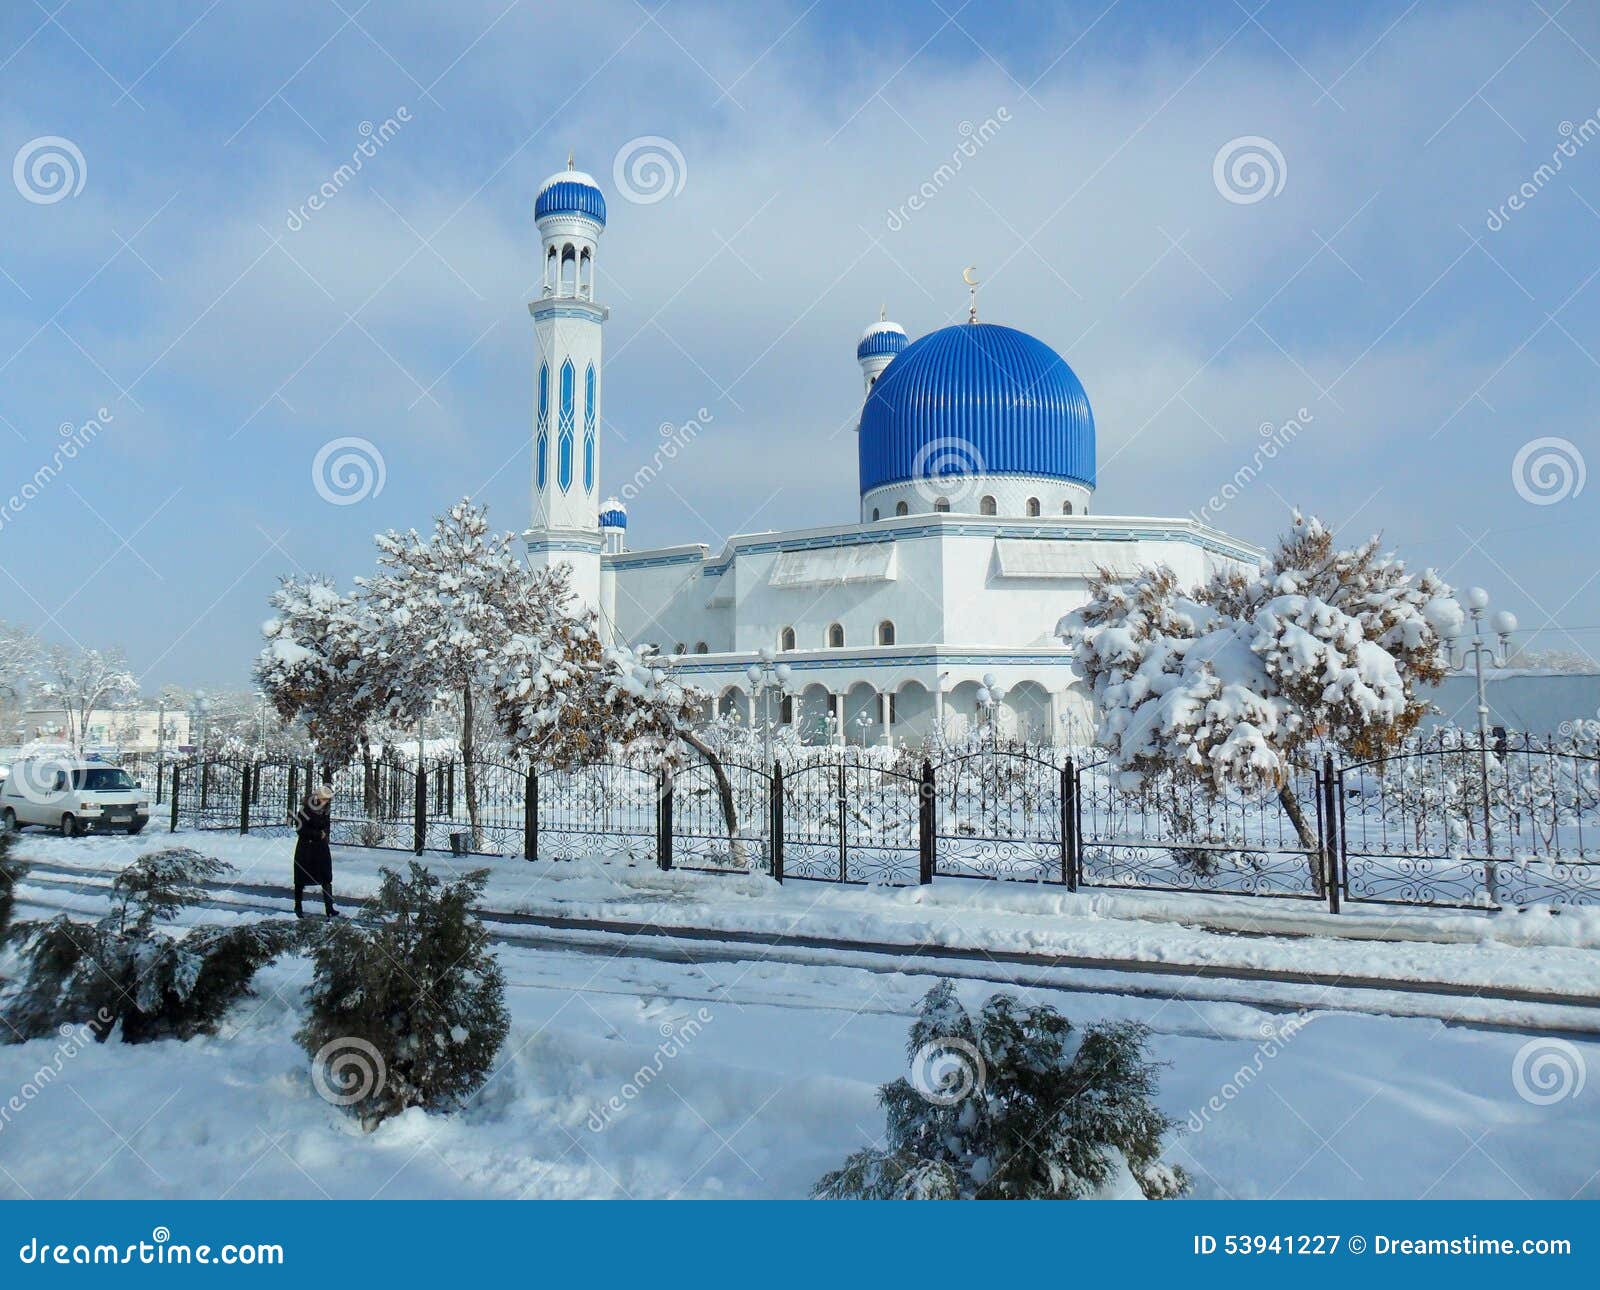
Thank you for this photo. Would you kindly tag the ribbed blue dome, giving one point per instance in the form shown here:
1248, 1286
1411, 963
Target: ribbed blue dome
571, 192
614, 519
977, 398
881, 338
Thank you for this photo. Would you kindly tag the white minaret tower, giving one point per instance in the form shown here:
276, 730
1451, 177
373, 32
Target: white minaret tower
571, 214
878, 346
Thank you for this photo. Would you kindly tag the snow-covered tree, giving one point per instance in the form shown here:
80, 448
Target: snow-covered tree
564, 699
20, 656
442, 610
83, 681
11, 871
126, 972
406, 1007
1015, 1104
1226, 684
316, 666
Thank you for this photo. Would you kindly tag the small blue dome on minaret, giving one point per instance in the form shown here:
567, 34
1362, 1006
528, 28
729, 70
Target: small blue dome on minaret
878, 346
570, 192
613, 514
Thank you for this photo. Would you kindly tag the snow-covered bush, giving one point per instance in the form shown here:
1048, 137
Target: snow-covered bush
11, 870
125, 973
1015, 1104
414, 987
1228, 684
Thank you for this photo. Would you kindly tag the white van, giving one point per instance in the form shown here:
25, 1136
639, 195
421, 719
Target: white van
73, 795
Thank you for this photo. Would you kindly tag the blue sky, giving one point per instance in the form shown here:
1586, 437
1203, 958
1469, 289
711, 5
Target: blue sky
1429, 333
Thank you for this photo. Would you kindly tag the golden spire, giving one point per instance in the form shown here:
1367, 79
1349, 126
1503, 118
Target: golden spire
569, 159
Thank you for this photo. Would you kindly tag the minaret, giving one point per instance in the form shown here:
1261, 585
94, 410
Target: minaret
878, 346
570, 213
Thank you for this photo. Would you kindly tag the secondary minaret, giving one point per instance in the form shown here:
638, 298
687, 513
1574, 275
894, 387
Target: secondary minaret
570, 213
878, 346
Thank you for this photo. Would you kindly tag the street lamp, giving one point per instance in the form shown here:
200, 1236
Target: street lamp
766, 676
1459, 647
990, 695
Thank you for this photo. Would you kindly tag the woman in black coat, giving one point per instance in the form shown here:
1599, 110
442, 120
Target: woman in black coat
313, 861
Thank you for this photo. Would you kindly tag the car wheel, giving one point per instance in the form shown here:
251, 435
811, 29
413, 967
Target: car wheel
70, 828
135, 828
10, 820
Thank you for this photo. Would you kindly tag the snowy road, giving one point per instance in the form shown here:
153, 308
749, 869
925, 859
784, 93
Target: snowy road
775, 1086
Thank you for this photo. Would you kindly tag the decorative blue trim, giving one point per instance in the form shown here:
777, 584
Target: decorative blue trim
577, 542
644, 560
588, 429
838, 660
568, 307
567, 428
542, 446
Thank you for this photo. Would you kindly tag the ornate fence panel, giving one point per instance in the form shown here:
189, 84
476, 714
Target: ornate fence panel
850, 819
1458, 824
1178, 837
700, 836
484, 809
374, 805
210, 794
998, 814
606, 811
276, 791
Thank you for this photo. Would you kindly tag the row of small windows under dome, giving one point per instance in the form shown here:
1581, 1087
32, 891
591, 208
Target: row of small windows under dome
788, 640
566, 429
987, 505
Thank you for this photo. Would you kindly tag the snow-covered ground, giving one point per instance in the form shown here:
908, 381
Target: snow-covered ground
777, 1062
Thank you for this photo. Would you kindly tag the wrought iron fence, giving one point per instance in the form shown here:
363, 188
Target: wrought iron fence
1448, 824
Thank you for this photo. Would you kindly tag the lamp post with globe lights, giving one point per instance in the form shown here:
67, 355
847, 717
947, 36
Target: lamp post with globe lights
765, 677
1460, 647
990, 695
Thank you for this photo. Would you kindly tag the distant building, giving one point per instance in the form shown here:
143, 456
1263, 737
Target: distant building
127, 730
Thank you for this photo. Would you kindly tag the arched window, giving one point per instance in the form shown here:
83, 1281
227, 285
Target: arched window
836, 636
1033, 506
875, 514
1066, 508
541, 449
786, 638
941, 505
886, 632
900, 508
986, 505
679, 648
566, 432
700, 647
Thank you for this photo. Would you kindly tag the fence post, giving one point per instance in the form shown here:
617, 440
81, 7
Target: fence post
172, 826
925, 818
1332, 832
244, 799
530, 816
419, 827
291, 802
664, 820
160, 774
1069, 825
775, 827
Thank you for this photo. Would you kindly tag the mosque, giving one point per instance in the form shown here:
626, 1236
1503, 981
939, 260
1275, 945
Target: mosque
978, 529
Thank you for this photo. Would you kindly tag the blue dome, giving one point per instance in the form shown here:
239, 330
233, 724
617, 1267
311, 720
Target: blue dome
571, 192
881, 338
614, 519
977, 398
